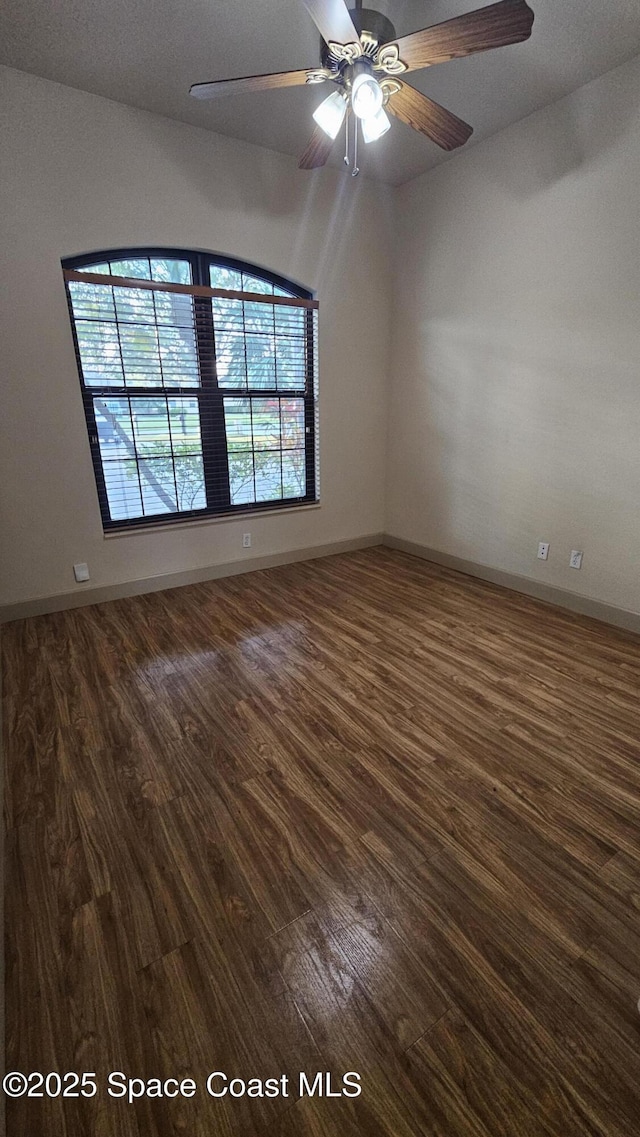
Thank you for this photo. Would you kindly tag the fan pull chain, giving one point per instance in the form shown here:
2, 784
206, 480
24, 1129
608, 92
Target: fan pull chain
355, 168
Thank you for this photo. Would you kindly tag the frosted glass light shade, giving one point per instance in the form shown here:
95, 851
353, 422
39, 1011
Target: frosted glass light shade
375, 126
330, 114
366, 95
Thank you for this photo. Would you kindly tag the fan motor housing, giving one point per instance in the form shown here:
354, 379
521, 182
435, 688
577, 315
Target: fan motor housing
368, 20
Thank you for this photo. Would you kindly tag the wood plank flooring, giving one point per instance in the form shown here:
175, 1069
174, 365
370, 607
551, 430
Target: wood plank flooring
357, 814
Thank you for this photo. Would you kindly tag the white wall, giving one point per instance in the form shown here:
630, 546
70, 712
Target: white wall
514, 392
80, 173
514, 411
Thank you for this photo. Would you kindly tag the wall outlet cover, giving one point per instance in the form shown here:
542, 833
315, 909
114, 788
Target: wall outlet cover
246, 540
81, 572
575, 560
543, 550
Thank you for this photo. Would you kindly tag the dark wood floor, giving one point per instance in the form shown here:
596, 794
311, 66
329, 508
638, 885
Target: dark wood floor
359, 814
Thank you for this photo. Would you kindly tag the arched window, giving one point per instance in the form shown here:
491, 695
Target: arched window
198, 377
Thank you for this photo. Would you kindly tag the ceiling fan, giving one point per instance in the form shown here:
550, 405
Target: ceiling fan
363, 59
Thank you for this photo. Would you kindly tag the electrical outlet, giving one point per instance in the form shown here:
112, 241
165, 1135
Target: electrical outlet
246, 540
575, 560
81, 573
543, 550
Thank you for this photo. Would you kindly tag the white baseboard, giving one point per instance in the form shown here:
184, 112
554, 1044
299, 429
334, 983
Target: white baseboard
551, 594
560, 597
39, 606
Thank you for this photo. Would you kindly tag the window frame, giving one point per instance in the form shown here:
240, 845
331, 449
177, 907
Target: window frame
209, 395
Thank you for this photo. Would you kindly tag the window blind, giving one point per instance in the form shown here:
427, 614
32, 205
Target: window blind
199, 399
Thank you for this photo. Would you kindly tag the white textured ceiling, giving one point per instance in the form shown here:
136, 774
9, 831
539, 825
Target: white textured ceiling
147, 53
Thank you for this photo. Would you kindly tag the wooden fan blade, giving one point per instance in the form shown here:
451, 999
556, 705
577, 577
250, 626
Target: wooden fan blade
440, 125
509, 21
248, 83
318, 150
332, 20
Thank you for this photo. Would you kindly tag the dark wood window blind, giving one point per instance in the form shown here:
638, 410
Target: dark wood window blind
199, 383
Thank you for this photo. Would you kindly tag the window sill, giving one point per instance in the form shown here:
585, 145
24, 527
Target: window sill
164, 527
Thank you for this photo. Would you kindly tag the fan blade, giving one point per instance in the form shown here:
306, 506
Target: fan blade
440, 125
509, 21
248, 83
332, 20
318, 150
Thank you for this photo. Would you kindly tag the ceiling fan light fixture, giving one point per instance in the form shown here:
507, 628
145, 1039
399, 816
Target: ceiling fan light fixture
330, 114
357, 45
366, 93
375, 125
